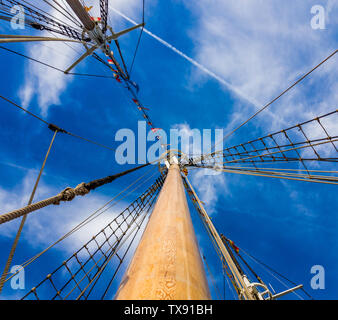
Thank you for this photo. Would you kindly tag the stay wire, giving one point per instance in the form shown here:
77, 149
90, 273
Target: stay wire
212, 279
52, 67
130, 244
50, 125
280, 95
138, 41
275, 272
87, 220
62, 13
48, 14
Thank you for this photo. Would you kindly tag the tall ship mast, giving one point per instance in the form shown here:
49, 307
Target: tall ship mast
150, 250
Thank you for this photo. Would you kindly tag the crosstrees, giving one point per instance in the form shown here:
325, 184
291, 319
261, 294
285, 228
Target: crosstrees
94, 32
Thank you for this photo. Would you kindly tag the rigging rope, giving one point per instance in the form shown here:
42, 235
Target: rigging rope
95, 254
276, 175
137, 228
274, 271
90, 218
23, 220
280, 95
240, 285
138, 41
69, 17
55, 68
67, 194
54, 127
237, 250
244, 152
212, 278
41, 21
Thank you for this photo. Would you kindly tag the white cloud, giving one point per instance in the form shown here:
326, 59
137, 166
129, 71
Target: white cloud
47, 225
190, 141
208, 186
207, 182
48, 84
261, 48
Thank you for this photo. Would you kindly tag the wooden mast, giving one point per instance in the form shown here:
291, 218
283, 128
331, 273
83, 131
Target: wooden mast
167, 264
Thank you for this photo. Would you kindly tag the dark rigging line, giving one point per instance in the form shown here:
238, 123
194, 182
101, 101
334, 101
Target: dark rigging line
52, 67
39, 11
58, 10
138, 41
91, 217
212, 278
276, 272
25, 110
121, 56
275, 99
52, 126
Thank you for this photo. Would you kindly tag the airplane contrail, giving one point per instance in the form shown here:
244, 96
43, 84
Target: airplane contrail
192, 61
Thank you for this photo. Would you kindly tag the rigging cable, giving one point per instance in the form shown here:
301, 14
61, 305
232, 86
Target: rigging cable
128, 248
212, 278
274, 175
67, 194
280, 95
120, 244
87, 220
138, 41
23, 220
52, 126
62, 13
115, 228
275, 272
47, 13
55, 68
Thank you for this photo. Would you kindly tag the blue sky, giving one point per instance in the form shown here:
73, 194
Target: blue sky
258, 48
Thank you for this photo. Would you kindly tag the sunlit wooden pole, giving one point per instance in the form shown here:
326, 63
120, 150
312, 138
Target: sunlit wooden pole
82, 14
167, 264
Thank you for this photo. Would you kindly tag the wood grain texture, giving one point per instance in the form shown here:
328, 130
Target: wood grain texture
167, 264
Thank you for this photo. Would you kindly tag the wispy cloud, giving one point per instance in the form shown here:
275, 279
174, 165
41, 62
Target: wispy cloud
261, 48
200, 66
207, 182
47, 84
48, 224
208, 187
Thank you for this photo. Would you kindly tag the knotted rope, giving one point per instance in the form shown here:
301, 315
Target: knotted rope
67, 194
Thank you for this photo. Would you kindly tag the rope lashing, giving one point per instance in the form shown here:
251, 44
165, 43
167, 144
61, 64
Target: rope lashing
67, 194
100, 182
